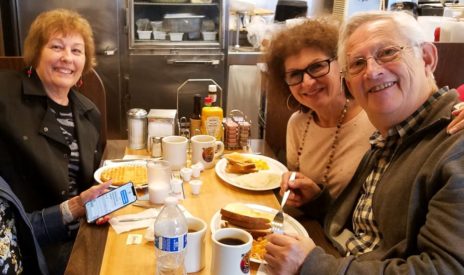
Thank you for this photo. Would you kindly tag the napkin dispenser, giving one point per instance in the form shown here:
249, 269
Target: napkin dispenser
162, 122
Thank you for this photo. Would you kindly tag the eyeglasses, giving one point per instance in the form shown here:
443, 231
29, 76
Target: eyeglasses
382, 56
314, 70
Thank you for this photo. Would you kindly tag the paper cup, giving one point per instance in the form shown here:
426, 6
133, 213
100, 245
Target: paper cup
186, 173
195, 186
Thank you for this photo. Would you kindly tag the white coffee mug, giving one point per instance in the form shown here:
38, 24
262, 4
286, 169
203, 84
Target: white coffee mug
175, 151
195, 253
206, 149
231, 251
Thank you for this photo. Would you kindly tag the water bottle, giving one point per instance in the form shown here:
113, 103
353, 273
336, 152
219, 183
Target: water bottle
170, 239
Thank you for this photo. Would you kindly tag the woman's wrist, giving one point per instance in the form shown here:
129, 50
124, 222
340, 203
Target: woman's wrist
76, 207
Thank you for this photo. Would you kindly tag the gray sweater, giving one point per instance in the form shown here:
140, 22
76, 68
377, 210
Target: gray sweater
418, 205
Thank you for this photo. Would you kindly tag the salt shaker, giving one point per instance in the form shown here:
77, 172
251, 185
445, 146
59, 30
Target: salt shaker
156, 147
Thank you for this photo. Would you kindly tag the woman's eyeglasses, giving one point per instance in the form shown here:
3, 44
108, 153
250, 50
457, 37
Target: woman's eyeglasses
388, 54
314, 70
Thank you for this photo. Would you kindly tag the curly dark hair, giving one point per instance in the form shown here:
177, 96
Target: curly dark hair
319, 33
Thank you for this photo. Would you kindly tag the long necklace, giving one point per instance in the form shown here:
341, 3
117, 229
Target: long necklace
325, 176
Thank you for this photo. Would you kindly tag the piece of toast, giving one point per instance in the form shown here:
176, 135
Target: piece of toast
256, 233
246, 223
243, 216
237, 158
239, 168
239, 164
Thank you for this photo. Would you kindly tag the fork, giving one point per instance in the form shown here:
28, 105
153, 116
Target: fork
277, 224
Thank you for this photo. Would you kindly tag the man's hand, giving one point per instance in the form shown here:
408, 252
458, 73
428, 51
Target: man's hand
285, 254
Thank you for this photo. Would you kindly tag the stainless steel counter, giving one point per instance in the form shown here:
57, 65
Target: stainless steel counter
244, 84
244, 56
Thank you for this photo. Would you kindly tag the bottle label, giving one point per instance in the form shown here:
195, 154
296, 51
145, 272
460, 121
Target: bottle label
213, 97
195, 125
171, 244
213, 124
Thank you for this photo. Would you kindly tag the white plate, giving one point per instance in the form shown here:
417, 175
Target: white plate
97, 174
274, 167
291, 226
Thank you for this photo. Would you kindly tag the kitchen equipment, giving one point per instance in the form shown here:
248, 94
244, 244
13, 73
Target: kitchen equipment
343, 9
144, 34
183, 23
169, 1
400, 5
156, 67
209, 36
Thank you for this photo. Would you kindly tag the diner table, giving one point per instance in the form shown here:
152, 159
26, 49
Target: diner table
99, 250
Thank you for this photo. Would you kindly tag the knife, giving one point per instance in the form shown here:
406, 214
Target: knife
124, 160
135, 219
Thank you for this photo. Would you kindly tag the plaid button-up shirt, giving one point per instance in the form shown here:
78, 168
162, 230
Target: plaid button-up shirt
366, 235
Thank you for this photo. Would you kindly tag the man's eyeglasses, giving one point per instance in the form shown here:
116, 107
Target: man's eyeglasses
382, 56
314, 70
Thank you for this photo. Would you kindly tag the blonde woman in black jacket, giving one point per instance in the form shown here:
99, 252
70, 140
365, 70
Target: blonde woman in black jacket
50, 132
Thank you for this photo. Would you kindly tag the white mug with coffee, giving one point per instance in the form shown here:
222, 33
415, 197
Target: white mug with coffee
231, 251
175, 151
195, 253
206, 149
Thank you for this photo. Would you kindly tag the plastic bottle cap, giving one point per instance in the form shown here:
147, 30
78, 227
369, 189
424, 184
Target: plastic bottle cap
171, 201
208, 100
212, 88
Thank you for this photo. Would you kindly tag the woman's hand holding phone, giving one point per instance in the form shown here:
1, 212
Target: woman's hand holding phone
77, 203
98, 208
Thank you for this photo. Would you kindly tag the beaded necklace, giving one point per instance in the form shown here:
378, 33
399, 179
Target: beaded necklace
325, 176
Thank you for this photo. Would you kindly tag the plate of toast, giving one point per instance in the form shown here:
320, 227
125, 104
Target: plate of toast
121, 173
250, 172
256, 219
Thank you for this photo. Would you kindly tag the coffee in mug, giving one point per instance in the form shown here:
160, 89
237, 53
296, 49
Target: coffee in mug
231, 241
195, 252
231, 251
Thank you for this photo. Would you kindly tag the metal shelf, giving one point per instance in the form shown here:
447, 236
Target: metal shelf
173, 4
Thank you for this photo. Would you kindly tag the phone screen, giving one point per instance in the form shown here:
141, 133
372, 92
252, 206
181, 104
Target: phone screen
110, 202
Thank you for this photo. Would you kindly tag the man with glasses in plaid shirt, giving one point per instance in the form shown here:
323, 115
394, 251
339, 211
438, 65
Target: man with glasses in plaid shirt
403, 211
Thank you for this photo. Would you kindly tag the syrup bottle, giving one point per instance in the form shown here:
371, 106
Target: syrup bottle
195, 117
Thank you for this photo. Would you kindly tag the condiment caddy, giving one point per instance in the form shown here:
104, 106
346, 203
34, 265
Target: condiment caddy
237, 130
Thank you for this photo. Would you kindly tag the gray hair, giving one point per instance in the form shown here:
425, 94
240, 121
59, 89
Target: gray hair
406, 26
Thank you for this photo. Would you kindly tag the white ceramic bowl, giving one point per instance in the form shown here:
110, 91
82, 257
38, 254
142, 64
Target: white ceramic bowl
176, 36
209, 36
144, 35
